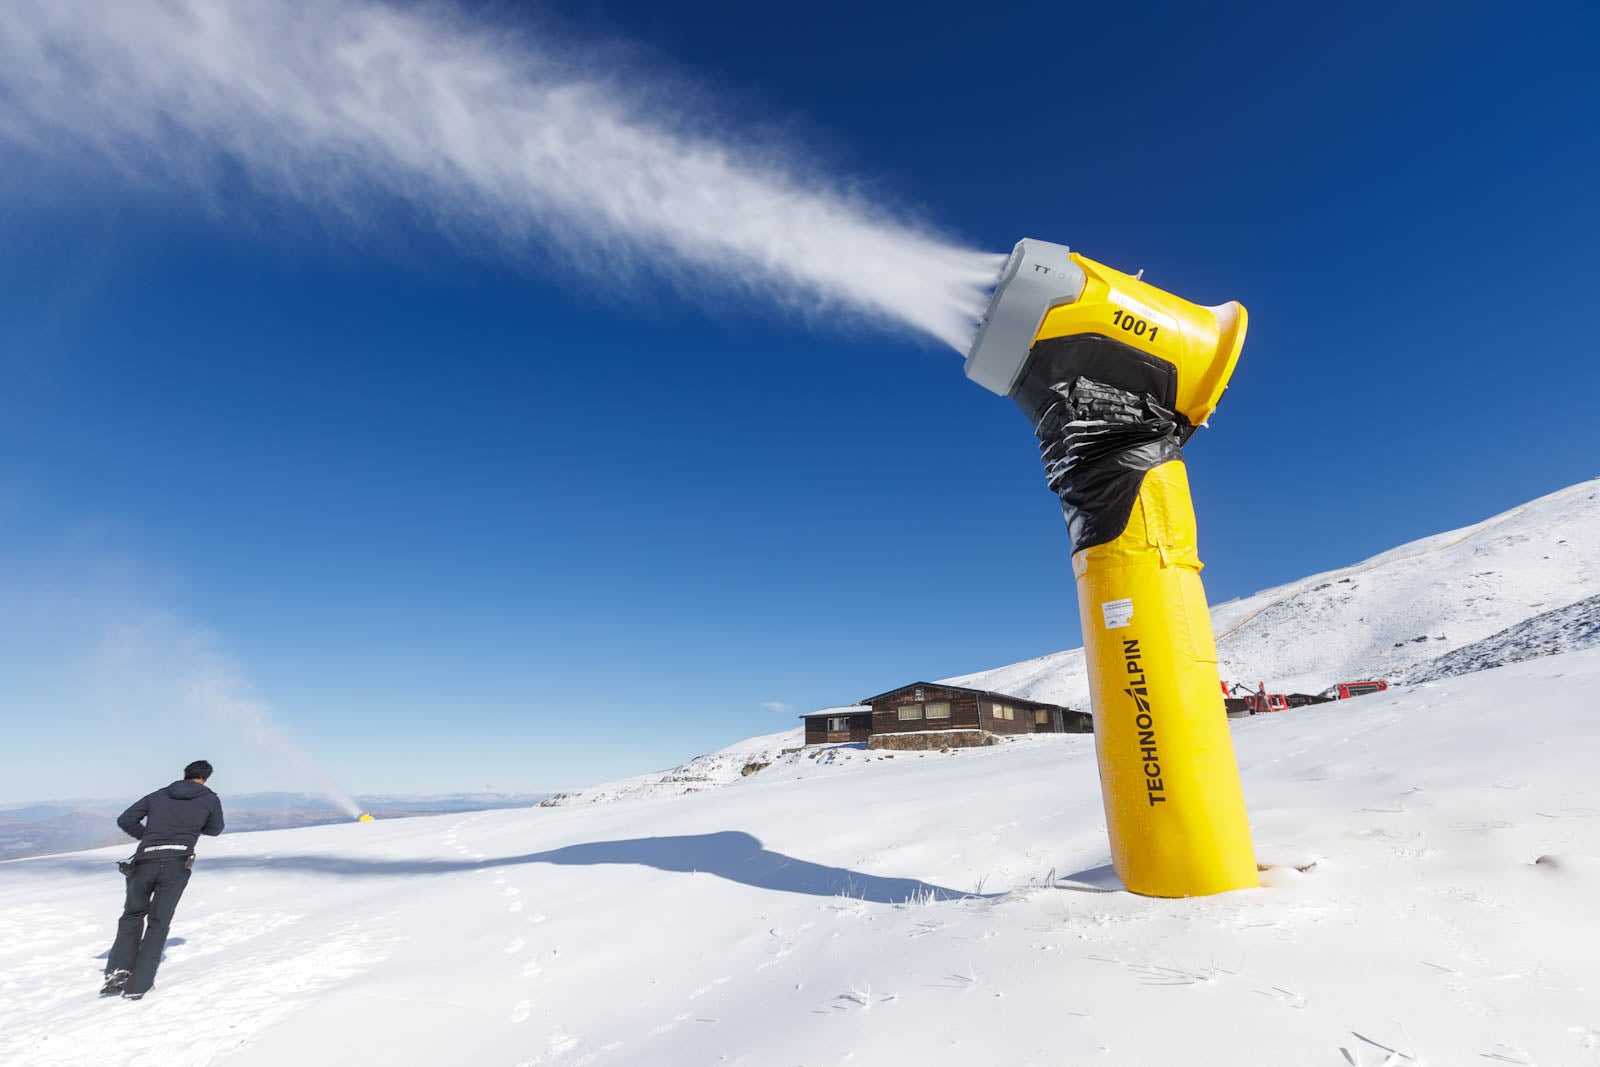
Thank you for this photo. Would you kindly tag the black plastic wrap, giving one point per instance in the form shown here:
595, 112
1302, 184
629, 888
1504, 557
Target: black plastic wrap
1097, 442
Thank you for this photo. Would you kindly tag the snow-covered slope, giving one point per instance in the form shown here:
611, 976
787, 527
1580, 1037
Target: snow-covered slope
1386, 615
1568, 629
888, 908
714, 769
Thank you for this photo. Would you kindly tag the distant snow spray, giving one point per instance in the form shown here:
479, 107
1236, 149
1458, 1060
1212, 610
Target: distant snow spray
175, 664
215, 689
352, 105
1115, 375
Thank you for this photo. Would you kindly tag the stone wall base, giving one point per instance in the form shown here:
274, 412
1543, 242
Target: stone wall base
923, 740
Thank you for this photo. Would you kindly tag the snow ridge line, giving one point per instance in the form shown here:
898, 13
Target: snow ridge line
1385, 558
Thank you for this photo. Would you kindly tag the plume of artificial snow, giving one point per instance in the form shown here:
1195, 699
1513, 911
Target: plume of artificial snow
345, 103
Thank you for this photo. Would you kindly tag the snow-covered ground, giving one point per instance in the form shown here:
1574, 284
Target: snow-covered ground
1383, 617
879, 908
722, 767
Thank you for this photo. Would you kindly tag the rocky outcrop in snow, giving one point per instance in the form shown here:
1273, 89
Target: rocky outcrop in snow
1568, 629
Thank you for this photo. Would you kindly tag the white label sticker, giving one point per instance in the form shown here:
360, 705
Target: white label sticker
1118, 613
1139, 307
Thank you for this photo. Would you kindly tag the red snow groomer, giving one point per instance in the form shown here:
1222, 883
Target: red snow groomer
1262, 701
1346, 690
1258, 703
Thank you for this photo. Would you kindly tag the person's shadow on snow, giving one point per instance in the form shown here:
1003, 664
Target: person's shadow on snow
731, 854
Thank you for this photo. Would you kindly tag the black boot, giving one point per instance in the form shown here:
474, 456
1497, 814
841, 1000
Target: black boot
115, 980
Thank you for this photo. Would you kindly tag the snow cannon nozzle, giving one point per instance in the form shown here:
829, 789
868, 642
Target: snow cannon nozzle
1056, 315
365, 817
1038, 276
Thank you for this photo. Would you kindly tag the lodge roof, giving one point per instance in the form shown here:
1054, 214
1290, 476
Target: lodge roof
854, 709
993, 695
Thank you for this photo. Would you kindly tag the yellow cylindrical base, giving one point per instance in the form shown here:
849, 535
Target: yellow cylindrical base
1174, 803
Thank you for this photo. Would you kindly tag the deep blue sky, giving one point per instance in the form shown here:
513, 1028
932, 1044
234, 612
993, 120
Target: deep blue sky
463, 524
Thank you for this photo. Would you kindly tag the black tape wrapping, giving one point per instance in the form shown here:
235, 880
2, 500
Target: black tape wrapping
1097, 442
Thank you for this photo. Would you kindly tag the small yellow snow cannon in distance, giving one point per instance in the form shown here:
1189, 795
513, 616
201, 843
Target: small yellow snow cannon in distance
366, 817
1115, 375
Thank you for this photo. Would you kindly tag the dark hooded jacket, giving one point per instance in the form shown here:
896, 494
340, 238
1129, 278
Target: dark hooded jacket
173, 817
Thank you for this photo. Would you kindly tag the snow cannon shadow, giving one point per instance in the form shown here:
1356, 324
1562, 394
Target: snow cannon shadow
740, 857
728, 854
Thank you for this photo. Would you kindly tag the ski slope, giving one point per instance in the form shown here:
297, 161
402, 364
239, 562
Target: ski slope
877, 908
1386, 616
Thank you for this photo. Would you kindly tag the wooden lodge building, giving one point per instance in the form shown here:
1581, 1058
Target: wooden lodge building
926, 715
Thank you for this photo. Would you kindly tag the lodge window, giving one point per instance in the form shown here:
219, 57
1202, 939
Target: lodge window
1041, 717
838, 723
910, 711
1002, 712
937, 711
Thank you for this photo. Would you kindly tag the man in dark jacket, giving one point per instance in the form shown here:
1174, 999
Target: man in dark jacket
173, 820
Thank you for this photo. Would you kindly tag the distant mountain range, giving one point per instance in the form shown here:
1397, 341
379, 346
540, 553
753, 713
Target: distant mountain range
70, 825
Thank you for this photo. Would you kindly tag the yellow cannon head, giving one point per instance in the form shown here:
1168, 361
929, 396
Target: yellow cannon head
1056, 316
367, 817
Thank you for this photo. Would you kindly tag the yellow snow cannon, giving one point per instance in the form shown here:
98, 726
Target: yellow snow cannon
366, 817
1115, 375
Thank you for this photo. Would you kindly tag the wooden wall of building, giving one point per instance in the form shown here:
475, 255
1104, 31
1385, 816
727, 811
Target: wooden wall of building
860, 732
969, 710
886, 710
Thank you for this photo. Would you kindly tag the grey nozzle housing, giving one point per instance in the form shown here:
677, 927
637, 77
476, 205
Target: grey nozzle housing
1038, 276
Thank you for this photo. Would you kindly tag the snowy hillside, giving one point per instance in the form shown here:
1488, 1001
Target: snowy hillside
885, 908
722, 767
1466, 596
1385, 616
1568, 629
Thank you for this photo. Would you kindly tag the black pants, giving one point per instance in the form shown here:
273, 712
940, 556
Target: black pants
153, 891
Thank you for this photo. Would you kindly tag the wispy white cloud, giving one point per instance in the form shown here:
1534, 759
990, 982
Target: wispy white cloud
488, 133
778, 706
